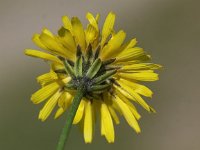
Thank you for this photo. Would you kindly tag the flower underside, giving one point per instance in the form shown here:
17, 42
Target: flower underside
108, 70
88, 70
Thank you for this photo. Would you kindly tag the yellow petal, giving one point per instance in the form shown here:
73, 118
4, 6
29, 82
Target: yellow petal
130, 54
137, 71
135, 96
107, 123
66, 80
65, 100
49, 106
56, 47
114, 115
43, 55
97, 18
134, 111
79, 113
67, 40
140, 59
142, 76
129, 104
124, 47
38, 42
140, 66
113, 45
129, 44
91, 34
92, 21
59, 112
122, 91
48, 32
107, 27
57, 66
44, 92
78, 32
102, 128
138, 88
47, 77
88, 123
108, 101
127, 114
67, 23
96, 41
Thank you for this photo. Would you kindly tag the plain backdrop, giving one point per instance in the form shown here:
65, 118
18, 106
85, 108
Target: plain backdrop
169, 30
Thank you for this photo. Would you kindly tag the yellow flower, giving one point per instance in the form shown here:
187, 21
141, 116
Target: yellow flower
108, 70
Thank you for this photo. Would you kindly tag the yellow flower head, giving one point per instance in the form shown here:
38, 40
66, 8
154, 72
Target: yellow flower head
102, 65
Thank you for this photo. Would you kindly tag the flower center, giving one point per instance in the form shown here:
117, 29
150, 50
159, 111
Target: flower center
89, 71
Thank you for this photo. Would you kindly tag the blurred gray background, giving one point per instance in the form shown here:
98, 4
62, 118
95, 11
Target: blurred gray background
168, 29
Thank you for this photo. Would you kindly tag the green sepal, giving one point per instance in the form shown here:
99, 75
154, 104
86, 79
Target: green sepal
69, 69
103, 77
78, 67
70, 62
94, 68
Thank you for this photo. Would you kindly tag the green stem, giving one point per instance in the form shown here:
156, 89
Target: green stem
72, 111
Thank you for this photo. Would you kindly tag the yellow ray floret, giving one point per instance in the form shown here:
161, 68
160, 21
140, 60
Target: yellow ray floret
64, 102
88, 123
96, 71
93, 21
55, 47
67, 40
43, 55
47, 78
80, 112
37, 41
113, 45
142, 76
107, 123
136, 97
67, 24
129, 104
114, 115
138, 88
78, 32
127, 114
91, 34
48, 107
45, 92
107, 27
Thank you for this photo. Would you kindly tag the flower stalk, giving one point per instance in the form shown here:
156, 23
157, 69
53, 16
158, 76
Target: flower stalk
72, 112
